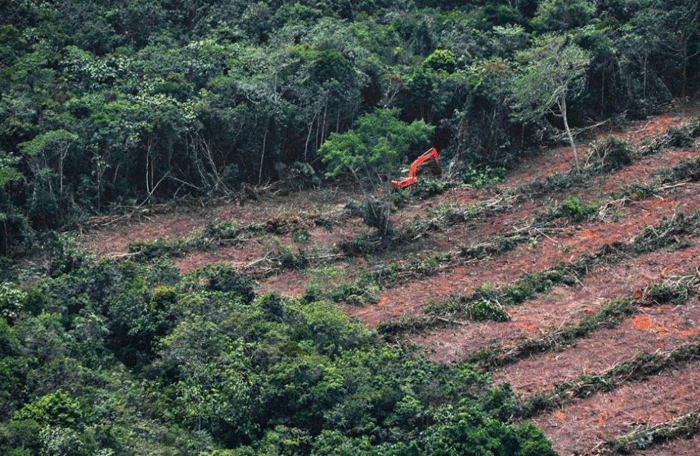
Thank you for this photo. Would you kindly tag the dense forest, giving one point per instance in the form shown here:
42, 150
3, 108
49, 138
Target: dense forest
108, 105
111, 104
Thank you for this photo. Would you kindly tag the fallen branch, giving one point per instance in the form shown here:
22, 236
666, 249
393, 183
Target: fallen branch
684, 426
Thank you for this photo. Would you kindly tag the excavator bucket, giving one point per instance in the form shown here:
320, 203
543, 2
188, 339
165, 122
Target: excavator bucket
411, 178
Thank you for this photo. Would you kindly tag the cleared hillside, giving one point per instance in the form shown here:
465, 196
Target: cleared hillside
580, 290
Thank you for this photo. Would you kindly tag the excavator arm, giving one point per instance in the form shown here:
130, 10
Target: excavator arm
411, 178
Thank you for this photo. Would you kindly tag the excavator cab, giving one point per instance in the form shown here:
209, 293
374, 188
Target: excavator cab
414, 169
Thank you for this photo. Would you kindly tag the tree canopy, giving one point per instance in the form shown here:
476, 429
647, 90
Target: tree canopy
157, 99
374, 147
554, 72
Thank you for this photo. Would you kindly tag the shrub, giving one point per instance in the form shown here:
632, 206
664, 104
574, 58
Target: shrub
376, 214
289, 259
481, 177
298, 177
149, 250
301, 237
611, 153
573, 208
679, 137
484, 310
427, 188
225, 278
12, 301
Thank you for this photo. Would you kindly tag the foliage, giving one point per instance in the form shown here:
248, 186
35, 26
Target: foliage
484, 310
427, 188
371, 153
554, 72
573, 208
112, 104
12, 301
374, 148
481, 177
611, 153
563, 15
128, 358
225, 279
117, 103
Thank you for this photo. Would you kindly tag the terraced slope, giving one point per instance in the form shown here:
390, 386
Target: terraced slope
579, 290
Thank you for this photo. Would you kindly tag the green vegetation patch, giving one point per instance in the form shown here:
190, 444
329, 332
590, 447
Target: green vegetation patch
487, 302
494, 247
674, 290
119, 354
687, 170
685, 426
675, 137
610, 153
481, 177
668, 232
571, 208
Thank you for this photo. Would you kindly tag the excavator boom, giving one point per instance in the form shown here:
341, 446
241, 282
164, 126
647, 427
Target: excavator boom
411, 178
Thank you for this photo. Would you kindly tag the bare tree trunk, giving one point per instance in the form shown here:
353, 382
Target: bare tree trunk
684, 65
561, 101
262, 156
602, 92
5, 234
325, 123
61, 160
308, 137
149, 167
644, 85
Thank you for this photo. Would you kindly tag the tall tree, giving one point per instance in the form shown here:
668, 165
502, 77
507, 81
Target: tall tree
372, 152
673, 27
554, 71
49, 148
563, 14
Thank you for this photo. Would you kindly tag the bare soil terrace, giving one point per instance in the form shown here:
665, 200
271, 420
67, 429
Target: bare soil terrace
625, 412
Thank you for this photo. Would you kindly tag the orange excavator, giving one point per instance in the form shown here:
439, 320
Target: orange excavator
411, 178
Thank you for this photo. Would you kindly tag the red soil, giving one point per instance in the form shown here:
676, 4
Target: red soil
585, 424
578, 427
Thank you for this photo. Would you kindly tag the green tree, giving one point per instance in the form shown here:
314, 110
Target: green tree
8, 170
563, 14
672, 28
435, 88
11, 223
49, 147
212, 390
554, 71
12, 301
372, 152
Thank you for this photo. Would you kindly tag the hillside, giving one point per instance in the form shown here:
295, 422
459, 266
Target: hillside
578, 290
201, 252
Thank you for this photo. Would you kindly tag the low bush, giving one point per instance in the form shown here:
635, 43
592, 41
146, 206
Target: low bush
679, 137
573, 208
481, 177
226, 279
610, 153
427, 188
12, 301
